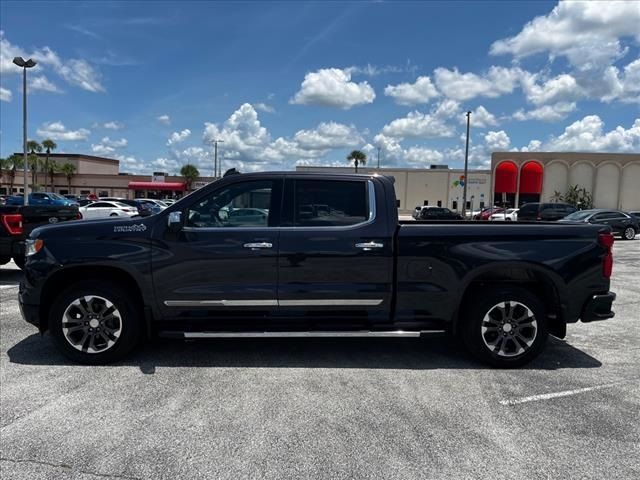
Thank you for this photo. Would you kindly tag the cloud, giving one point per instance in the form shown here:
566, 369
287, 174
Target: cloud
113, 125
425, 125
42, 83
562, 88
370, 70
263, 107
332, 87
5, 95
497, 81
480, 118
177, 137
164, 119
328, 135
588, 135
497, 140
107, 146
57, 131
546, 113
421, 91
586, 33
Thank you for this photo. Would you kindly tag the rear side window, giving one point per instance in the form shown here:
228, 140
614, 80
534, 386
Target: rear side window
329, 203
529, 208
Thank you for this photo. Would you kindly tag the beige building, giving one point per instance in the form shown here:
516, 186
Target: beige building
101, 176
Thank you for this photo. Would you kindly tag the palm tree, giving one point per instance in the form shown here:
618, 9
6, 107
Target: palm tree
12, 164
34, 147
190, 174
69, 171
52, 169
557, 196
357, 157
48, 145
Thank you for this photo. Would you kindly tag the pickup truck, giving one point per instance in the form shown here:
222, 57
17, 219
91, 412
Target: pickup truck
328, 258
17, 222
42, 198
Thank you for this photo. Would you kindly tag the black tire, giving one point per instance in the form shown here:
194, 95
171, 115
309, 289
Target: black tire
113, 215
128, 312
4, 260
19, 261
514, 347
629, 233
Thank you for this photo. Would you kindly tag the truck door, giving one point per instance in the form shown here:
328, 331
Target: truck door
222, 265
336, 256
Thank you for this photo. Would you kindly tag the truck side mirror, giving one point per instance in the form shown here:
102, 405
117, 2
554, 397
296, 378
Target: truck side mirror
174, 221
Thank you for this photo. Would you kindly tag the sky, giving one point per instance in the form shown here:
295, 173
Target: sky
282, 84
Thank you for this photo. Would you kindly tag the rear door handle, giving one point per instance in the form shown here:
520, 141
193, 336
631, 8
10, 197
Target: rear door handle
367, 246
258, 245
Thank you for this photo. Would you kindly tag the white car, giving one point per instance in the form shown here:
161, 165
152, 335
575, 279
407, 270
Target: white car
510, 215
107, 209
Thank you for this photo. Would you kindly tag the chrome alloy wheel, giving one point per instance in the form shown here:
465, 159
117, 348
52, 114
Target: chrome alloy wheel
629, 233
509, 329
91, 324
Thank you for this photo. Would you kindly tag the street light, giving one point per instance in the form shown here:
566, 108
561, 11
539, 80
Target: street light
19, 61
215, 161
466, 169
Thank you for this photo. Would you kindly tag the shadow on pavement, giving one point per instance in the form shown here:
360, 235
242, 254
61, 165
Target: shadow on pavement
411, 354
10, 276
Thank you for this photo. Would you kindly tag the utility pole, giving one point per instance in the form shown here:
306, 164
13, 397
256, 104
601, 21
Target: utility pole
378, 158
215, 157
466, 170
21, 62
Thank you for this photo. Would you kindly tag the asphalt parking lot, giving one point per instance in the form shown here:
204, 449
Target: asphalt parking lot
325, 408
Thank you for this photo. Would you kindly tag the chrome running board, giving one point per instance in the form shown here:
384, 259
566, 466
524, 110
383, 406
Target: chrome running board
319, 334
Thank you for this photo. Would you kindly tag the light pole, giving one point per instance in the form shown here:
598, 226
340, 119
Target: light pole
215, 157
19, 61
378, 158
466, 169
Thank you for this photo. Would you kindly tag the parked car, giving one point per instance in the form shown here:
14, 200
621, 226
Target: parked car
17, 221
83, 202
546, 212
155, 208
634, 213
100, 286
621, 223
42, 198
438, 213
72, 197
144, 209
509, 215
102, 209
486, 213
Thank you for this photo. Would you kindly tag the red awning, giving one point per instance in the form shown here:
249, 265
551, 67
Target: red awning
506, 177
175, 186
531, 178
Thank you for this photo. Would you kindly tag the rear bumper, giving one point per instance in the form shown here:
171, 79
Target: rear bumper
12, 246
598, 307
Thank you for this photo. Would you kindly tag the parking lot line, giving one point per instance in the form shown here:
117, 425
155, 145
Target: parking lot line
548, 396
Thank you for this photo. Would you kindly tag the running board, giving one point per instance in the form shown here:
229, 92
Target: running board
319, 334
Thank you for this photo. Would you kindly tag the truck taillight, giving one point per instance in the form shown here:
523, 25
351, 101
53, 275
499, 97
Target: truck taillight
606, 240
13, 223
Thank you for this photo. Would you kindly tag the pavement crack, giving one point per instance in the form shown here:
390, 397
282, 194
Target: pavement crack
68, 467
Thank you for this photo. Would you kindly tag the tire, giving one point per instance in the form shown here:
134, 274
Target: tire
4, 260
629, 233
86, 336
19, 261
113, 215
519, 344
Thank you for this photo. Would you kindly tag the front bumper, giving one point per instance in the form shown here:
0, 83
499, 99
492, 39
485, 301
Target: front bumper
598, 307
31, 313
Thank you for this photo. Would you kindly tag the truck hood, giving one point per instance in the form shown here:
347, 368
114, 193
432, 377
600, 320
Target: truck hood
107, 227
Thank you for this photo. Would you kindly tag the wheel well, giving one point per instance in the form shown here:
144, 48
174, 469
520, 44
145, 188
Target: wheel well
535, 282
69, 276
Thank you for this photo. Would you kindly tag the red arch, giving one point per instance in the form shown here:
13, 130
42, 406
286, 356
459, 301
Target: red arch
506, 177
531, 177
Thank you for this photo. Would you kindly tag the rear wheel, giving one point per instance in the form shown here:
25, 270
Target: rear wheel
95, 322
113, 215
505, 327
629, 233
4, 260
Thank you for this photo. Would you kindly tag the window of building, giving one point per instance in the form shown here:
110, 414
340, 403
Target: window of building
439, 203
327, 203
454, 205
425, 203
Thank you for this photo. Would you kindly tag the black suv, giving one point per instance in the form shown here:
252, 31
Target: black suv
545, 212
438, 213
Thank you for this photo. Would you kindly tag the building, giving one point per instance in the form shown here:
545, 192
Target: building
101, 176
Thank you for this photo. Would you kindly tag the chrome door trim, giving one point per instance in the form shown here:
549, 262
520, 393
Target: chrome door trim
356, 334
258, 245
338, 302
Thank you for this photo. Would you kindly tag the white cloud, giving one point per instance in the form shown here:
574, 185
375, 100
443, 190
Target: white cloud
588, 135
613, 85
534, 146
332, 87
587, 33
113, 125
480, 118
57, 131
425, 125
563, 88
107, 146
263, 107
81, 74
497, 81
177, 137
393, 153
164, 119
421, 91
546, 113
42, 83
497, 141
328, 135
5, 95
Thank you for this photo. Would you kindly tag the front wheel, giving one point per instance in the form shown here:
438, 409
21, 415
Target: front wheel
505, 327
95, 322
19, 260
629, 233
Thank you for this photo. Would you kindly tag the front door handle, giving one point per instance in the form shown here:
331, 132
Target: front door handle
368, 246
258, 245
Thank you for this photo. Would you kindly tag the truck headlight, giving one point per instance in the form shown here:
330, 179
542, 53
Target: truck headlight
33, 246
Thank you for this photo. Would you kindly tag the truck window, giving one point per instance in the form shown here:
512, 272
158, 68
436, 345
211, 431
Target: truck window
329, 203
245, 204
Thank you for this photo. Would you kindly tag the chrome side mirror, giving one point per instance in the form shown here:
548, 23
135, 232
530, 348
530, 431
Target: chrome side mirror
174, 221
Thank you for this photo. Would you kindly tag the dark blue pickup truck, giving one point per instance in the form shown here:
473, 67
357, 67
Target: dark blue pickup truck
299, 254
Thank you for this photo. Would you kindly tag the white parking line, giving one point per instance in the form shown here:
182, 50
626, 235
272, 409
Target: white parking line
547, 396
2, 287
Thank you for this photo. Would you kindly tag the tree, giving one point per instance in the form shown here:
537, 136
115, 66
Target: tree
69, 171
52, 169
579, 197
357, 157
12, 164
190, 174
34, 147
49, 145
557, 196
